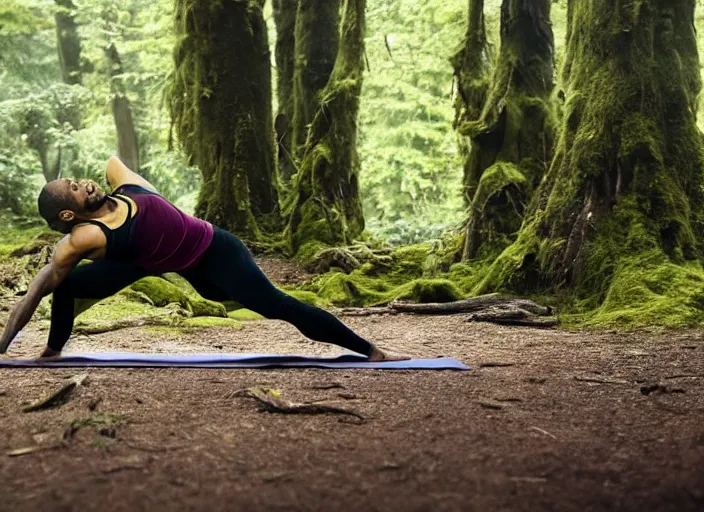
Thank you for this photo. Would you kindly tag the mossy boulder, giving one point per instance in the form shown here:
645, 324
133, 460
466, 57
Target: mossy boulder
161, 292
431, 290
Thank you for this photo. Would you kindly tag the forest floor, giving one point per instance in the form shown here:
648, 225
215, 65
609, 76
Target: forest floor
545, 420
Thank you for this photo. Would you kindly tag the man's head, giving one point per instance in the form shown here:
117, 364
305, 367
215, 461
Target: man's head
64, 203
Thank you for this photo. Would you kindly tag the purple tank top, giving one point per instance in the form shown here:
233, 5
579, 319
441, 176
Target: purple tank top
164, 238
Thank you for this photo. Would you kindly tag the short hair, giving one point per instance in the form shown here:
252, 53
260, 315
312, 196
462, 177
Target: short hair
51, 204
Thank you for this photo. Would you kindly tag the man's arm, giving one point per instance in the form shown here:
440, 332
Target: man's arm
67, 255
119, 174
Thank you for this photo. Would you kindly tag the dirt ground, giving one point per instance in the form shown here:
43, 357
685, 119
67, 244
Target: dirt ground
545, 420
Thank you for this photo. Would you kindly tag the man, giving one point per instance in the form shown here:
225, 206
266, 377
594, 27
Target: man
133, 233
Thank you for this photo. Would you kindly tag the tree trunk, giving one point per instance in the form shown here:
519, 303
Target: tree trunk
285, 19
127, 142
317, 39
471, 66
326, 206
619, 217
221, 110
512, 139
68, 42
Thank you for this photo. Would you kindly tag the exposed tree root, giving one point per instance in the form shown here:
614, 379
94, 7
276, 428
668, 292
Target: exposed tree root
173, 316
57, 397
270, 400
511, 315
348, 258
485, 308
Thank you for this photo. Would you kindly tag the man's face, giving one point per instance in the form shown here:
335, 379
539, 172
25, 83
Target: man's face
81, 197
85, 195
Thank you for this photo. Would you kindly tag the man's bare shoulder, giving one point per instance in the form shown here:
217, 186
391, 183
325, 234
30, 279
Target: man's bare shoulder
83, 238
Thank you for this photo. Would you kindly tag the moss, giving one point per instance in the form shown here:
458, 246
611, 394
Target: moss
307, 297
244, 315
430, 290
162, 292
308, 251
645, 292
472, 68
317, 39
356, 289
510, 135
325, 205
116, 308
285, 20
616, 225
221, 110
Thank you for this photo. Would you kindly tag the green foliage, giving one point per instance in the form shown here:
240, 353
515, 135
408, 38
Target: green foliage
411, 177
37, 110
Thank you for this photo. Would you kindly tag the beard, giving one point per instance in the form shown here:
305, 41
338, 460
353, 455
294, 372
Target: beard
95, 202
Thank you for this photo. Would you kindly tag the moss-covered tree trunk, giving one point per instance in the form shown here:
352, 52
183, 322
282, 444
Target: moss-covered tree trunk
221, 110
619, 216
511, 140
127, 142
325, 206
472, 65
317, 39
68, 42
285, 20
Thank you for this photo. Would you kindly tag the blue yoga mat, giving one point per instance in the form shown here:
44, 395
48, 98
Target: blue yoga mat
219, 360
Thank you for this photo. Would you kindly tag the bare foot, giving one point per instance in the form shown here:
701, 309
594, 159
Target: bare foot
378, 355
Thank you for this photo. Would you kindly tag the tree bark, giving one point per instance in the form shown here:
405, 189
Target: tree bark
285, 19
317, 38
127, 142
68, 42
512, 138
472, 65
221, 110
619, 217
326, 207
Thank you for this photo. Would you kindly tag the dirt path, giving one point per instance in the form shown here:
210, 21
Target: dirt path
432, 440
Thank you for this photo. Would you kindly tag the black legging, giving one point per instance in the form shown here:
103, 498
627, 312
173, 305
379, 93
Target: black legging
226, 272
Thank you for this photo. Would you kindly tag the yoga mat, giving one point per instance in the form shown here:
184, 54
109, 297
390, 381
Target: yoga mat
219, 360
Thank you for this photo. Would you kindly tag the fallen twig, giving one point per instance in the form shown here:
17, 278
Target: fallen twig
487, 404
493, 308
271, 400
33, 449
496, 365
331, 385
473, 304
543, 323
544, 432
121, 468
368, 311
59, 396
598, 380
685, 376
